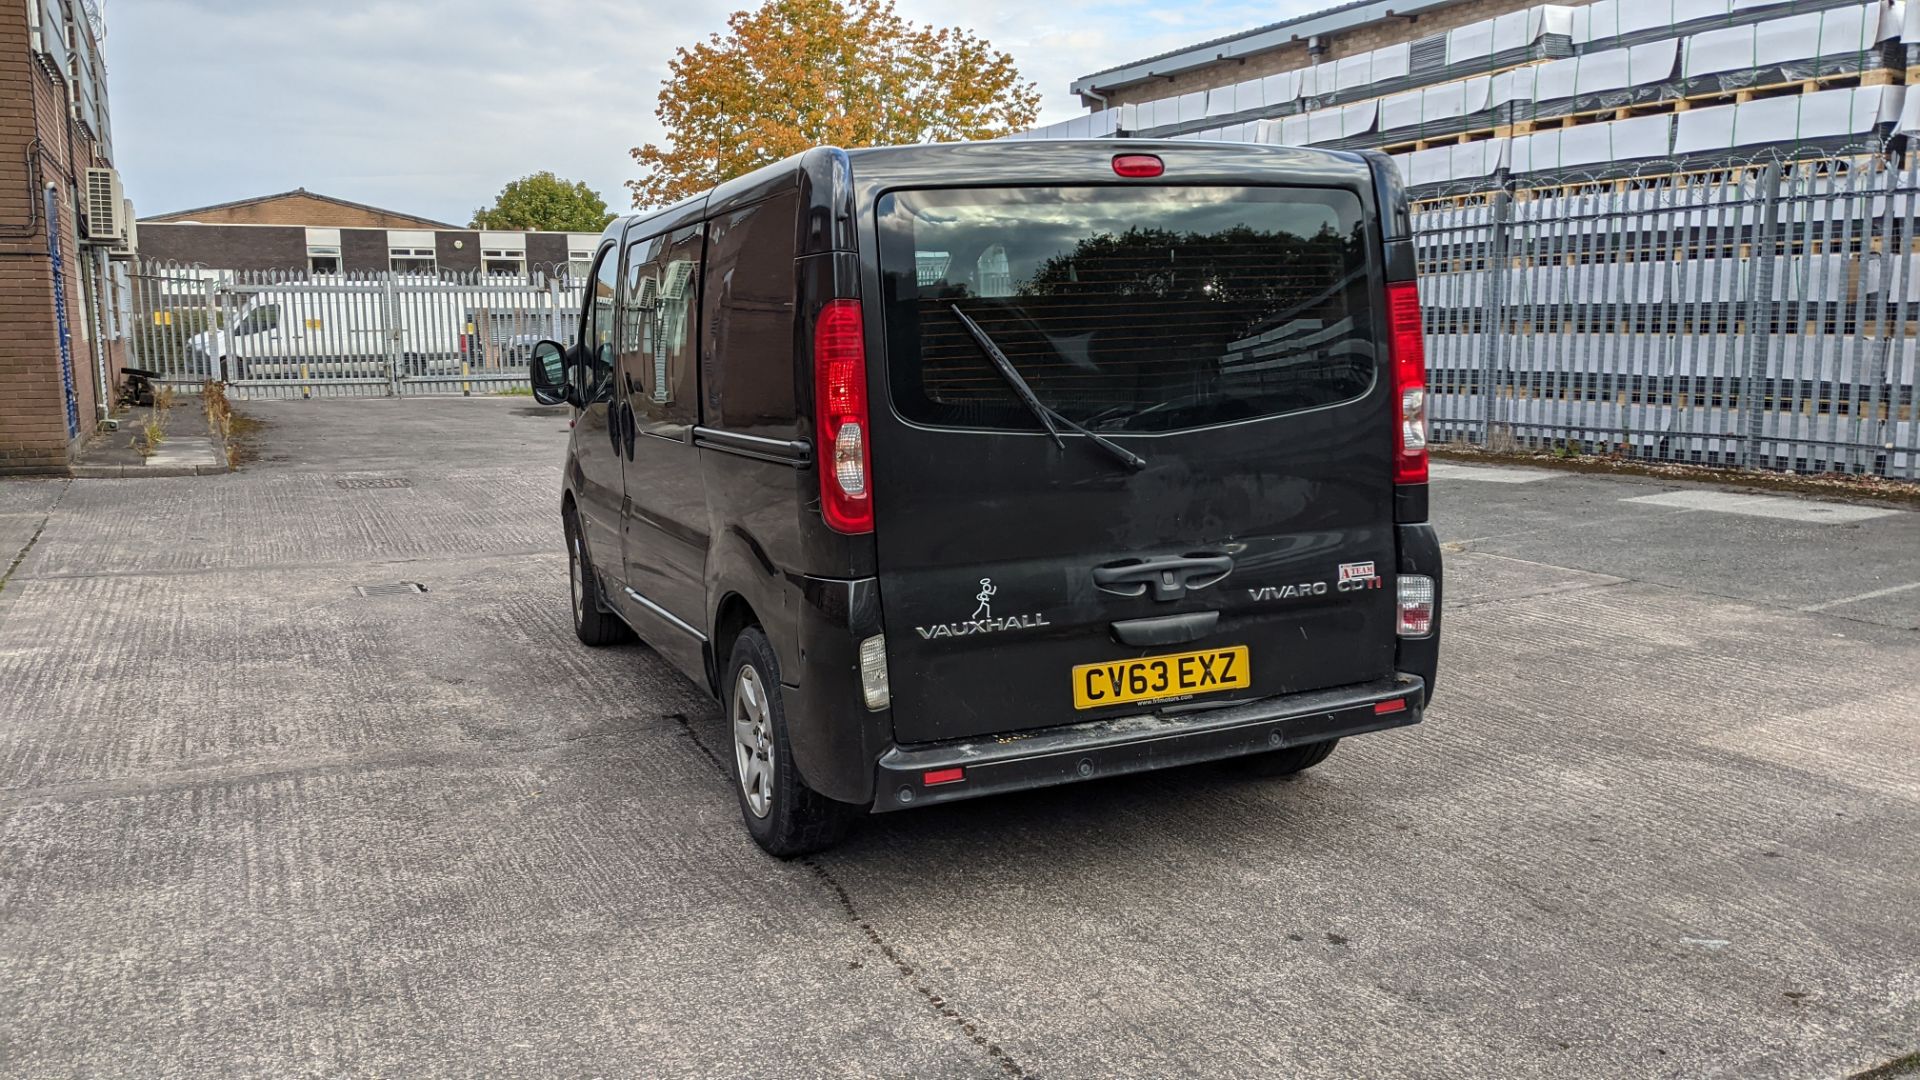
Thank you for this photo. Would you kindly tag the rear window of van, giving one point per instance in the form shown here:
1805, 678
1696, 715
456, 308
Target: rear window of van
1126, 308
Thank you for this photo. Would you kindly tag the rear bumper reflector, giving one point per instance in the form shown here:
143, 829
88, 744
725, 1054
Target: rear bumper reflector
926, 773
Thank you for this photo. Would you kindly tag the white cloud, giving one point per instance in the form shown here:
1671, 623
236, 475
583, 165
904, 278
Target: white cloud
429, 106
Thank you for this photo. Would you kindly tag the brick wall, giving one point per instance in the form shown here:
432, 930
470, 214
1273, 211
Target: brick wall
363, 250
466, 257
300, 208
271, 247
1373, 35
226, 247
33, 413
546, 249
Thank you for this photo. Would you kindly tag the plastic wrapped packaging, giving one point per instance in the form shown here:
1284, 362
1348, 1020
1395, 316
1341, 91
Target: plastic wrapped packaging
1637, 138
1786, 42
1434, 106
1825, 114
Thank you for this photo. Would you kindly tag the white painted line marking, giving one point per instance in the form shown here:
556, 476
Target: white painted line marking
1492, 474
1764, 506
1875, 594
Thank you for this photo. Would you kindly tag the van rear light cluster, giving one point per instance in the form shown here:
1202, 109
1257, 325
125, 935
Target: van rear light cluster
873, 672
1408, 350
840, 414
1416, 605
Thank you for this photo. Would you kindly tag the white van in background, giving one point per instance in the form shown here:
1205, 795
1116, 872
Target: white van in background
346, 329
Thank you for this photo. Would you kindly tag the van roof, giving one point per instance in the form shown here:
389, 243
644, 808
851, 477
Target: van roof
995, 162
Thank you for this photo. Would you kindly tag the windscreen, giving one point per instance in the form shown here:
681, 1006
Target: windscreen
1125, 308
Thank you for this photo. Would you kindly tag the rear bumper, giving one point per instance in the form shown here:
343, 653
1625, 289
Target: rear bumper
996, 764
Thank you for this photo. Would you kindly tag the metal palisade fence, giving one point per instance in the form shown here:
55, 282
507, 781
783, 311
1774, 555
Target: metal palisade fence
1756, 315
273, 334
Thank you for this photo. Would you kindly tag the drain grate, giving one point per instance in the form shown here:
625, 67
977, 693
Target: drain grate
354, 482
400, 588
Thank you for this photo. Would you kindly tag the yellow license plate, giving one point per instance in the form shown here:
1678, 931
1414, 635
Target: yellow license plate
1158, 678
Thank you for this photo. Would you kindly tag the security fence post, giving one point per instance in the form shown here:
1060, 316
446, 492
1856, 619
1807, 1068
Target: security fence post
1759, 321
1494, 330
216, 356
390, 314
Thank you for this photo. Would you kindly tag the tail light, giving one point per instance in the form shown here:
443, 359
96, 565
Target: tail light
1408, 352
873, 672
1416, 605
840, 413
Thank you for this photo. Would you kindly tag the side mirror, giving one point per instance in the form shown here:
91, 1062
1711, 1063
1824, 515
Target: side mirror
547, 371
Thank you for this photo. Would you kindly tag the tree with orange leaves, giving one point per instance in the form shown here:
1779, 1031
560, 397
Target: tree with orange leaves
803, 73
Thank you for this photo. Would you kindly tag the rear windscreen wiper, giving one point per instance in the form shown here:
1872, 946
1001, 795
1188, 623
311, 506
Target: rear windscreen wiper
1047, 417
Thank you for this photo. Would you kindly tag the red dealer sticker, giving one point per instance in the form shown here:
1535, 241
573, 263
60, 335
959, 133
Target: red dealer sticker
1356, 576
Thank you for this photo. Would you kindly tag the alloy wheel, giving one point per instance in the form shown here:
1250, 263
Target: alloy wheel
753, 741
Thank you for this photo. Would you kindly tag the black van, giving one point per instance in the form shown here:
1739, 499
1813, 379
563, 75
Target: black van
962, 469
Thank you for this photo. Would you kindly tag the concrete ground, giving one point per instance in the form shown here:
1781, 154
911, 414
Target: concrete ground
1663, 819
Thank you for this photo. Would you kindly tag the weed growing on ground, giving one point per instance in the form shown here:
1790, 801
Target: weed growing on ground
244, 446
213, 398
153, 430
152, 433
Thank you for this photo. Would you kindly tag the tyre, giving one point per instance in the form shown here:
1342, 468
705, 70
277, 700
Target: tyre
593, 624
785, 817
1286, 762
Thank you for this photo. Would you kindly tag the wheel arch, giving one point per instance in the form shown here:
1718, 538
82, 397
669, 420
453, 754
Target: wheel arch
732, 616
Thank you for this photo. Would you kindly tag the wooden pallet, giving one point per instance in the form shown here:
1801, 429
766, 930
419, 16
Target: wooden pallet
1534, 125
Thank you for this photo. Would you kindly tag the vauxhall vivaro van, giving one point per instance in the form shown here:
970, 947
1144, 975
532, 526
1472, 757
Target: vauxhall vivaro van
963, 469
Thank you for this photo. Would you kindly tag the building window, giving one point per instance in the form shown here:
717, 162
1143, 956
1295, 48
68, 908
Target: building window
414, 260
503, 262
323, 259
577, 260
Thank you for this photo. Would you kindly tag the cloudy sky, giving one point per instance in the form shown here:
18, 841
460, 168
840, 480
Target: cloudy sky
429, 106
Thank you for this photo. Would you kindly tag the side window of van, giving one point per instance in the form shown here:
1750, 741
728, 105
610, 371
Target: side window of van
263, 318
660, 326
639, 306
749, 368
596, 327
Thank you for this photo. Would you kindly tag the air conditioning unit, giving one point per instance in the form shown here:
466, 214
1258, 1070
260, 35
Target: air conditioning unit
126, 248
106, 217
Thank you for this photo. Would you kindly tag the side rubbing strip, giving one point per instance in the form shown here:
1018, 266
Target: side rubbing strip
676, 620
794, 452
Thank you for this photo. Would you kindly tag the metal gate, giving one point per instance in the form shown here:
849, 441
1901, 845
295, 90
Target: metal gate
334, 335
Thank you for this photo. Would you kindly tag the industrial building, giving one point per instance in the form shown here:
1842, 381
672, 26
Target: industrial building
303, 232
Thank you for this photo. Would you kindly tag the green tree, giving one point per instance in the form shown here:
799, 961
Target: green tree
794, 74
544, 201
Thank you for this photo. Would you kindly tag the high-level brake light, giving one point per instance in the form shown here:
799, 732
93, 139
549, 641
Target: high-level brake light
840, 413
1408, 351
1138, 166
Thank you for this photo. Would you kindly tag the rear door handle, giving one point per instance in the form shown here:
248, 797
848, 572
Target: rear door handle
1165, 629
1170, 578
